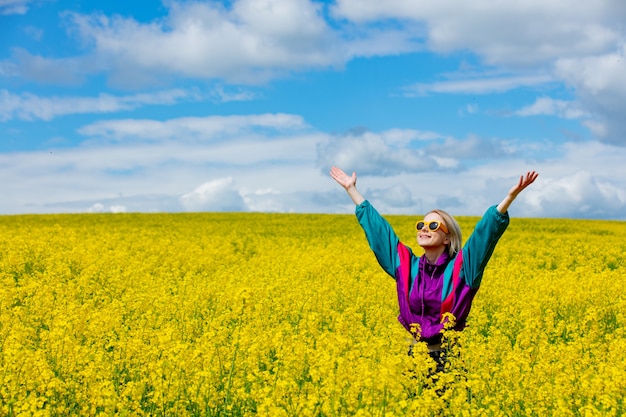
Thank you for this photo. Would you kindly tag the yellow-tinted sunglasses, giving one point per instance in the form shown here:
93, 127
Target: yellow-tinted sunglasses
433, 226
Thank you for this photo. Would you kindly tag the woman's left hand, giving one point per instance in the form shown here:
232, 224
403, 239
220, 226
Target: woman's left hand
524, 181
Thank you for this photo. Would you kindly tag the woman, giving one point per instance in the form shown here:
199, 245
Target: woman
446, 277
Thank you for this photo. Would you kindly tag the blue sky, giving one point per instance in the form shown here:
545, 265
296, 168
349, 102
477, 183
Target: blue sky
245, 105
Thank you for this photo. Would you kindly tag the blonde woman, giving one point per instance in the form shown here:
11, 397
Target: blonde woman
446, 277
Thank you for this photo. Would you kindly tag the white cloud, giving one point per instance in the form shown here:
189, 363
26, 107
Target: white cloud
396, 152
600, 89
224, 95
470, 109
100, 208
474, 148
600, 84
284, 172
250, 41
485, 85
521, 33
579, 195
397, 196
96, 208
58, 71
110, 172
386, 153
247, 41
150, 175
552, 107
216, 195
371, 41
186, 128
8, 7
577, 180
28, 106
565, 41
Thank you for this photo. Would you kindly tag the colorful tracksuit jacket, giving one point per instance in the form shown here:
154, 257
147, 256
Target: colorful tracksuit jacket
426, 291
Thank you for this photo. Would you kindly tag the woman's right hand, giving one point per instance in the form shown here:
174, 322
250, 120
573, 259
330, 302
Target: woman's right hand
348, 182
342, 178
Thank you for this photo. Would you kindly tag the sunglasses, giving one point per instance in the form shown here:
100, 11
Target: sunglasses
432, 226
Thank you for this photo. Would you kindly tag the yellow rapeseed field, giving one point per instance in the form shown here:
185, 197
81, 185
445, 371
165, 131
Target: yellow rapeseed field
290, 315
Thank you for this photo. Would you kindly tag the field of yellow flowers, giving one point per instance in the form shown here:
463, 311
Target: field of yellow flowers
240, 314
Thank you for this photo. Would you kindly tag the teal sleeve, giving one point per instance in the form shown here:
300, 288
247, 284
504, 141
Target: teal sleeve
480, 245
381, 237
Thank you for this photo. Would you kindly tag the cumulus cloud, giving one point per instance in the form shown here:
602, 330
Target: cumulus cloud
579, 195
216, 195
507, 33
409, 151
600, 91
246, 42
242, 42
599, 83
386, 153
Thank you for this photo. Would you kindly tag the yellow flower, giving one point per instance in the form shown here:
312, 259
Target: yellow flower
282, 314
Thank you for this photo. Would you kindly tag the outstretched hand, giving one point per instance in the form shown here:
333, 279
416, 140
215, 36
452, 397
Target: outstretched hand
348, 182
343, 179
524, 181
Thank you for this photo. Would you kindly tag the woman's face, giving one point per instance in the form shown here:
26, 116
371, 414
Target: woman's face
429, 239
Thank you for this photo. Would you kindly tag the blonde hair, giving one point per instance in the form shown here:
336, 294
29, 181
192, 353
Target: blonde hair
454, 232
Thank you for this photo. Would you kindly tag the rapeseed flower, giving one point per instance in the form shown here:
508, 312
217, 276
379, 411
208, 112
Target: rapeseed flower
281, 314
